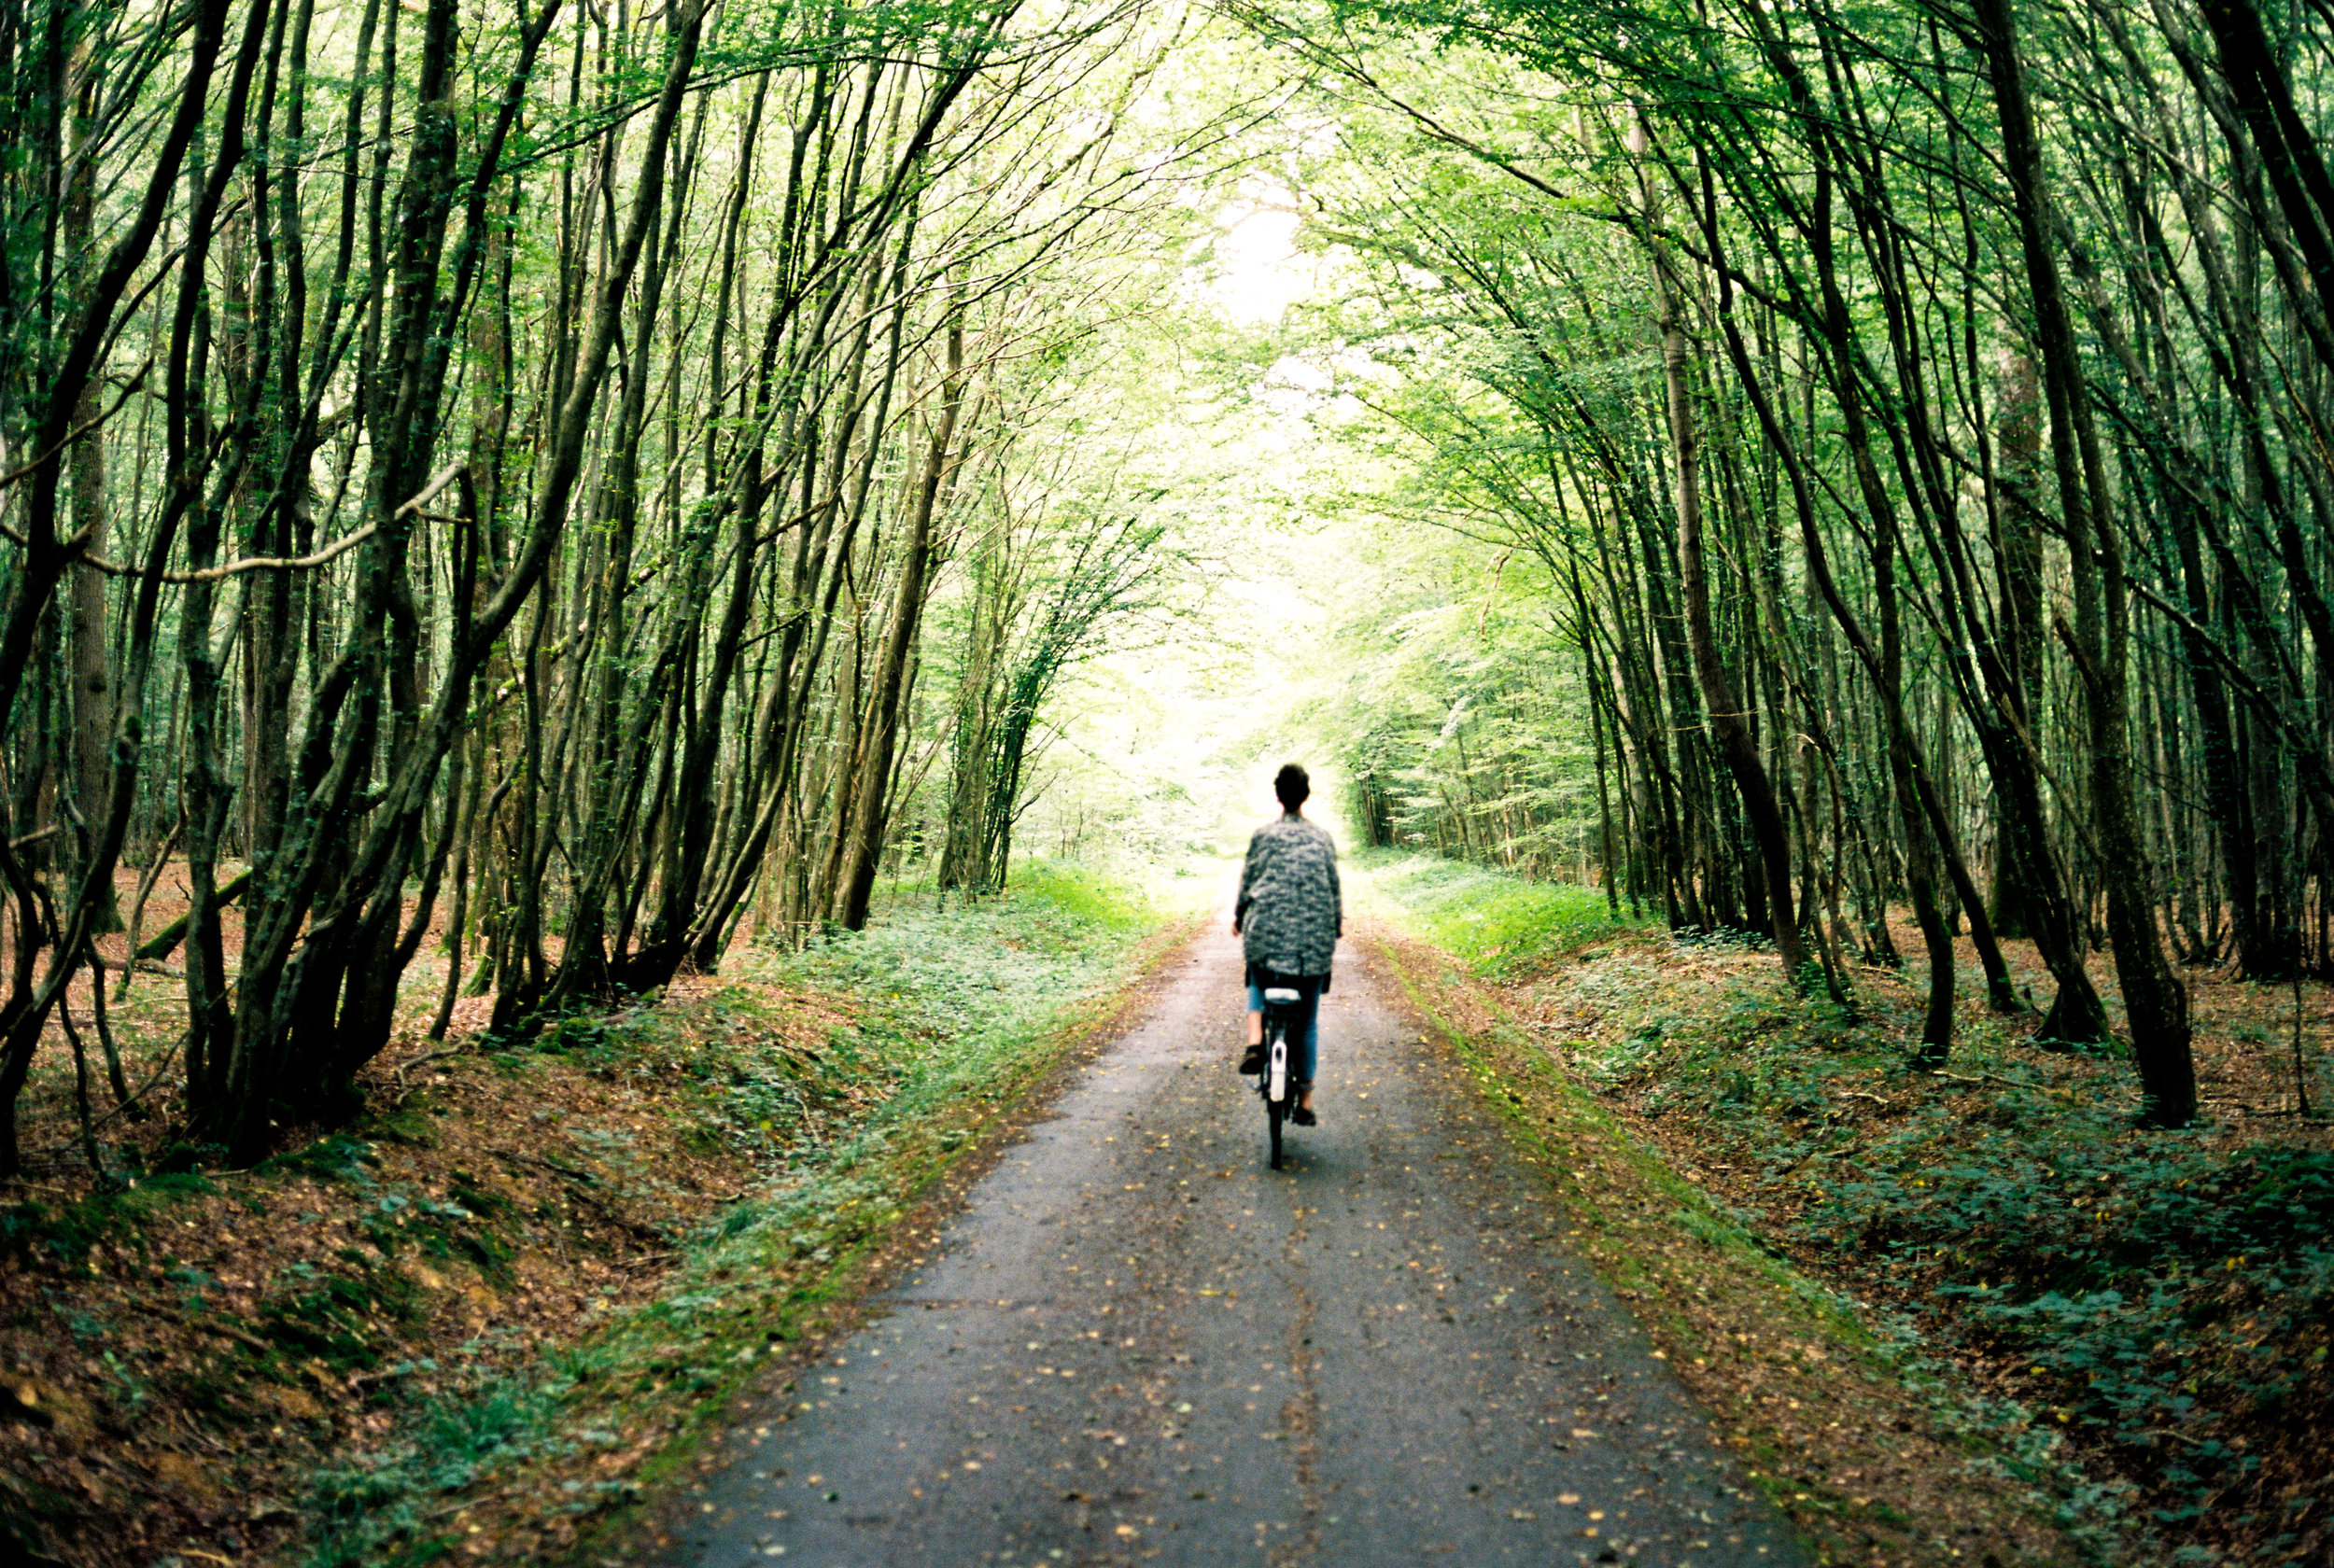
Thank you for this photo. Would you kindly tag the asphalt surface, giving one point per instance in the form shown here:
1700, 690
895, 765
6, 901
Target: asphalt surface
1138, 1343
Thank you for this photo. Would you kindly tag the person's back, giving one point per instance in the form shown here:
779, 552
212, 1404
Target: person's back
1289, 915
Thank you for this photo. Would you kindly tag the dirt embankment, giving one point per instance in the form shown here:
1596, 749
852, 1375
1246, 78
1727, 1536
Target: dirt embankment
178, 1355
480, 1317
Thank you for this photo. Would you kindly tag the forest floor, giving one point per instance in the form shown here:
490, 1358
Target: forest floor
2131, 1324
487, 1310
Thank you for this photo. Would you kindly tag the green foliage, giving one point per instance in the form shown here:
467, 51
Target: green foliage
330, 1318
337, 1158
375, 1511
1457, 708
1499, 924
948, 992
1075, 903
2150, 1280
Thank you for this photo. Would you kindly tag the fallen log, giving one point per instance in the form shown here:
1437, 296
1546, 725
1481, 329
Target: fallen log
165, 941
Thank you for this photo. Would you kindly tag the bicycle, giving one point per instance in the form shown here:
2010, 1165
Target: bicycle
1280, 1006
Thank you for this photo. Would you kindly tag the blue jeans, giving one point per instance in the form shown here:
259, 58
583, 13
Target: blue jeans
1304, 1033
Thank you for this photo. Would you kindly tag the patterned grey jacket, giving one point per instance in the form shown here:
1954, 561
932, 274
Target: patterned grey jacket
1291, 907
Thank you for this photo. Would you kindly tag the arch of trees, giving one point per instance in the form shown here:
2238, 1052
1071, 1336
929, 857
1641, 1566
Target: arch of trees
487, 468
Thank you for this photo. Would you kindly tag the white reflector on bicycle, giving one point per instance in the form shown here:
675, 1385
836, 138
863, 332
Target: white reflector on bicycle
1281, 996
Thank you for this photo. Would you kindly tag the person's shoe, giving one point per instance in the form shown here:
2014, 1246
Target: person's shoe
1302, 1114
1252, 1063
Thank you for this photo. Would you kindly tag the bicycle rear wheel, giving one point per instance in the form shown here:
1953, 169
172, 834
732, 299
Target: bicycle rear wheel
1275, 1085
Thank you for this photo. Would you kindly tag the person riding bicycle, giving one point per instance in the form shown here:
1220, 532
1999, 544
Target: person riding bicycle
1289, 915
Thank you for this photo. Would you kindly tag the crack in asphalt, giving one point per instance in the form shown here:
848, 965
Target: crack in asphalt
1137, 1344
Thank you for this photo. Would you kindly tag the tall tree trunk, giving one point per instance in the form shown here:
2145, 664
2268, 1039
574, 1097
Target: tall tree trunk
2017, 564
865, 850
86, 630
2155, 1001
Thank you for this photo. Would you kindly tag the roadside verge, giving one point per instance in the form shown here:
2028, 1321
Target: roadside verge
1871, 1451
635, 1411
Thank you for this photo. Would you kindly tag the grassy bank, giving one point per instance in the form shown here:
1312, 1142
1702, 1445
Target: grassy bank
1496, 925
2126, 1326
515, 1294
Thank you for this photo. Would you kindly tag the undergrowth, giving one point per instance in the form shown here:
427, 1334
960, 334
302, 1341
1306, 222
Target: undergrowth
2163, 1297
939, 1016
2167, 1297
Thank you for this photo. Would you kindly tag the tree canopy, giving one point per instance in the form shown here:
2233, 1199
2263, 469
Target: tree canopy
571, 486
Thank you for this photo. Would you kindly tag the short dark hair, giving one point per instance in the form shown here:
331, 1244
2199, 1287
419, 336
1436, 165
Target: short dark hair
1292, 784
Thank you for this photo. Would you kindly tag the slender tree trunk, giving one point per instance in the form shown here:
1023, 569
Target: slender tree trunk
2154, 1000
1728, 723
866, 845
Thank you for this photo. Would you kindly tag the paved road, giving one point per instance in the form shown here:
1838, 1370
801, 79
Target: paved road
1140, 1344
